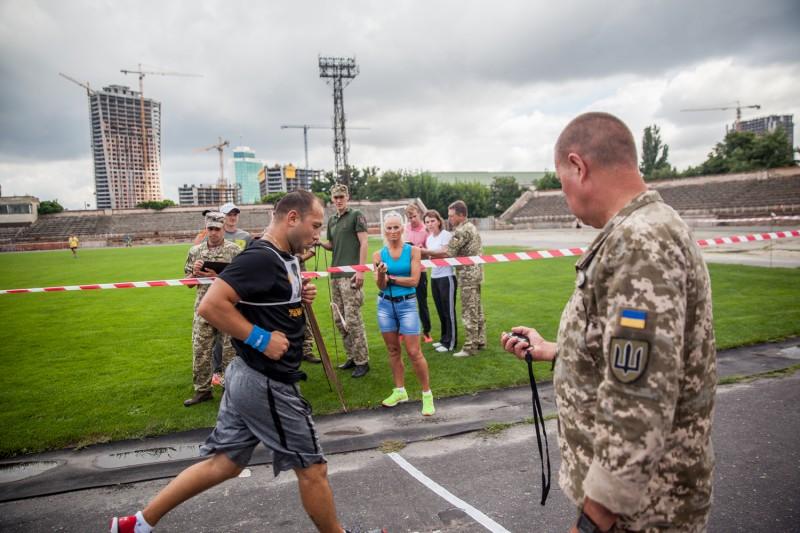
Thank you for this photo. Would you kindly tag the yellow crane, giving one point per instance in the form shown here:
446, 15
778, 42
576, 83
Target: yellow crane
142, 73
738, 107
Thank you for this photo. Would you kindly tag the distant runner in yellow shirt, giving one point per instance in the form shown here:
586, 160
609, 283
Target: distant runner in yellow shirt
73, 245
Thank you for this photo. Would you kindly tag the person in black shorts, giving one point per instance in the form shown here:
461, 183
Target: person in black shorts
258, 301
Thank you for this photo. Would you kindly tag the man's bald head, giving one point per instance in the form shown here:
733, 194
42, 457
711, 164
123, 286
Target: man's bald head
600, 139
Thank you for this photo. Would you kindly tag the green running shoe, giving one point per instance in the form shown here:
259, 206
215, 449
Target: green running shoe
397, 396
427, 404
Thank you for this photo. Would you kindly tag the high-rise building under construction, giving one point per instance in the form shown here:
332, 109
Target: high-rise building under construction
126, 145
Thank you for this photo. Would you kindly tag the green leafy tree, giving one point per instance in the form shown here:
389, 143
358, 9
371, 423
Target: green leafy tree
743, 151
655, 155
47, 207
504, 191
548, 181
273, 198
158, 205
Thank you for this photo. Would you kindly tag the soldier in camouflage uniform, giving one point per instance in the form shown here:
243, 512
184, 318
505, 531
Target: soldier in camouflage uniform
214, 248
635, 360
347, 238
465, 242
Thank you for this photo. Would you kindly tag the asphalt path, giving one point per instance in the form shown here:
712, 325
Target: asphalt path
494, 478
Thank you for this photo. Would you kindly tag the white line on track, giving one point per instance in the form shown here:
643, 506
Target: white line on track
476, 515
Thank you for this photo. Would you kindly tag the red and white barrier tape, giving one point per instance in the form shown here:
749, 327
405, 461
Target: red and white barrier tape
450, 261
742, 220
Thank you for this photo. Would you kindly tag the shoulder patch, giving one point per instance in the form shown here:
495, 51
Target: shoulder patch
628, 358
633, 318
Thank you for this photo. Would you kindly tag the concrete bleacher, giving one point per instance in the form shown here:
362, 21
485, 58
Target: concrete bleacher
177, 224
723, 197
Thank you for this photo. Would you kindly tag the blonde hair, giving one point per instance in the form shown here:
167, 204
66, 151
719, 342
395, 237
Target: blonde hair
387, 216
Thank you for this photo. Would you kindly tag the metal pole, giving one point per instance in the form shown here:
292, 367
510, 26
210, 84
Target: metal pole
305, 144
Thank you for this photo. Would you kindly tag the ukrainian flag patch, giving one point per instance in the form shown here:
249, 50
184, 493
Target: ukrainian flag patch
633, 318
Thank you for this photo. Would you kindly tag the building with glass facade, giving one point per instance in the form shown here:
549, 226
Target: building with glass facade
245, 173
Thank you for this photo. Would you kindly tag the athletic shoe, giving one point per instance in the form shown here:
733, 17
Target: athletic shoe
462, 353
122, 524
427, 338
427, 404
437, 344
397, 396
215, 380
442, 349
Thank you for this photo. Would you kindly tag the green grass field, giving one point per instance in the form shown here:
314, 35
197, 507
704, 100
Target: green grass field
87, 367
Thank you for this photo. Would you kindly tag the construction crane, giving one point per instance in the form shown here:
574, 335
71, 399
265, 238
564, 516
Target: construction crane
220, 147
103, 125
142, 74
306, 127
738, 107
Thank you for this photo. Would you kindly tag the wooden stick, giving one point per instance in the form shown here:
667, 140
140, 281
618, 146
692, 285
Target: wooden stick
323, 353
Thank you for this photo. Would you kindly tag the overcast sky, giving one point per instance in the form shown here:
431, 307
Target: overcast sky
444, 85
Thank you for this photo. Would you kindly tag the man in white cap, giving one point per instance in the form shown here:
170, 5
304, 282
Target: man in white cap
232, 233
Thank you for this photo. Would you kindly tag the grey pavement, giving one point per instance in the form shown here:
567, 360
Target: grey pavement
775, 253
758, 467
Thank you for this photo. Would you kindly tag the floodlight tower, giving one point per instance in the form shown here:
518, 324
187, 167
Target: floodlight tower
338, 72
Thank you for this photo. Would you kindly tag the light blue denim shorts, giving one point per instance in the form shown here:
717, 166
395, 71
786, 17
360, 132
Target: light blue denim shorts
402, 316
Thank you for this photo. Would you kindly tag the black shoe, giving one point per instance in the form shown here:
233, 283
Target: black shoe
311, 359
347, 365
361, 370
197, 398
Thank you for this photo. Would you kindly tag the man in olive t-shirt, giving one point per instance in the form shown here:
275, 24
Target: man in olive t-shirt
347, 238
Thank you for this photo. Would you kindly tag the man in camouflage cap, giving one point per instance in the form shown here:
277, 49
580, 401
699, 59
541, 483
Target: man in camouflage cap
635, 359
347, 238
215, 249
467, 242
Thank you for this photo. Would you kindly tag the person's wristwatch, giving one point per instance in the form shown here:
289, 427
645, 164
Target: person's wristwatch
585, 524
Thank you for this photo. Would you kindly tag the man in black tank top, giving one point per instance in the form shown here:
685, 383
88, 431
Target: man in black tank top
258, 300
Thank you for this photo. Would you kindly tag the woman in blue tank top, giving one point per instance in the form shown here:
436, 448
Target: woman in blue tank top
397, 268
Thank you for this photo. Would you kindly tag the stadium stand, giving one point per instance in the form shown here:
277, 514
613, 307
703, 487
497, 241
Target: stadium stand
723, 197
179, 224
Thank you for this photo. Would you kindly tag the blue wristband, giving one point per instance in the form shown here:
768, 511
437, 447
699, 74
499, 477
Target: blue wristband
258, 339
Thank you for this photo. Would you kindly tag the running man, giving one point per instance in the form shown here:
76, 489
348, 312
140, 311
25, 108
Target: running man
258, 301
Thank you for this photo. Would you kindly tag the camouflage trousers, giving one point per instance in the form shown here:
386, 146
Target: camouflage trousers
473, 318
349, 301
308, 340
203, 336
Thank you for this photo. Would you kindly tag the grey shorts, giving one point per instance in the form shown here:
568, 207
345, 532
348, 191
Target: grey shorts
257, 409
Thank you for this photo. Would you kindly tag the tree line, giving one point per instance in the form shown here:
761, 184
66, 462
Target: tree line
371, 184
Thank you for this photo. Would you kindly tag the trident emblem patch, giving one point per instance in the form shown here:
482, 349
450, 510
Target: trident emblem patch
628, 359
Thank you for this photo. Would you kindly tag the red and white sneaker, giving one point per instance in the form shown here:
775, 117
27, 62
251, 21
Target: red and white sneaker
123, 524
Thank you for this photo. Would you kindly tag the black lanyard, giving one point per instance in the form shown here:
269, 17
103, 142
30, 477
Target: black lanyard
538, 420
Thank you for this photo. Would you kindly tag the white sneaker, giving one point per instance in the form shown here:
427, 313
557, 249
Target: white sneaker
442, 349
436, 344
462, 353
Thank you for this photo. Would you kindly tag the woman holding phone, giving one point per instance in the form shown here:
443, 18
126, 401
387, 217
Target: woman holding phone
397, 268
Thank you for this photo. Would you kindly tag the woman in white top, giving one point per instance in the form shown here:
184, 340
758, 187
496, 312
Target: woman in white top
443, 280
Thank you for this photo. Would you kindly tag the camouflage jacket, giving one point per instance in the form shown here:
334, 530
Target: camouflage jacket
635, 375
222, 254
466, 241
